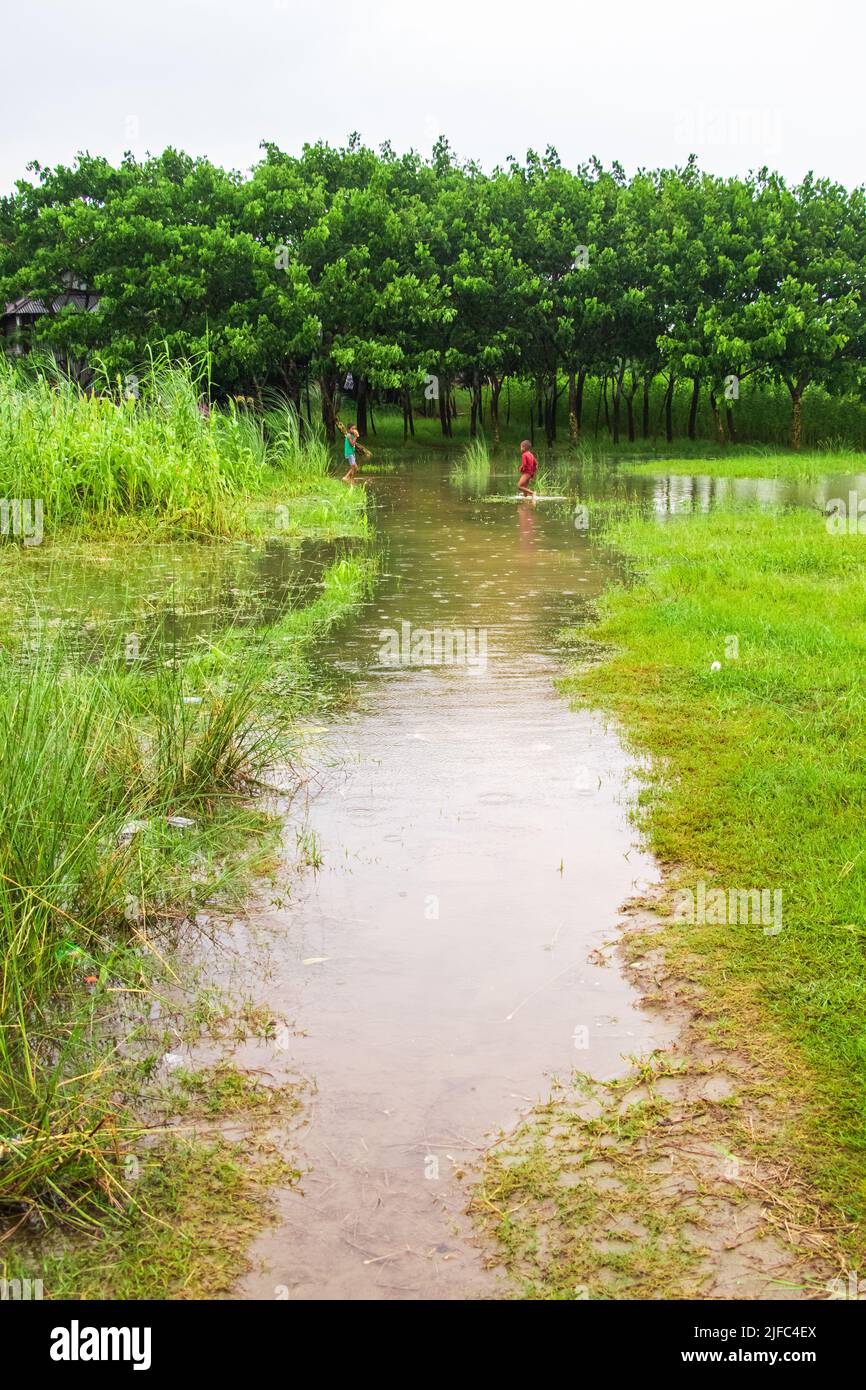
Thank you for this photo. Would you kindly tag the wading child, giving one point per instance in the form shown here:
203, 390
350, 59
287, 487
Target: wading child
528, 468
349, 452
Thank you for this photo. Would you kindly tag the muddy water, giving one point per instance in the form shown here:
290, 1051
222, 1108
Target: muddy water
452, 953
170, 595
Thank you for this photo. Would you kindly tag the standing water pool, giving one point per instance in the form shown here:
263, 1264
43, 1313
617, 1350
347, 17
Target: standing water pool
448, 956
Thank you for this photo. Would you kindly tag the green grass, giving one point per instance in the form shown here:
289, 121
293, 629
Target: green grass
109, 459
474, 465
180, 1231
97, 759
759, 782
742, 462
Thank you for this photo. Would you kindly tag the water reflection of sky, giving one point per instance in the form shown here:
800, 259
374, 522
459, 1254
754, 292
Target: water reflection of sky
685, 493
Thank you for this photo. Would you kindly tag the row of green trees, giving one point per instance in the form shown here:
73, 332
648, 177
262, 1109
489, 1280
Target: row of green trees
412, 275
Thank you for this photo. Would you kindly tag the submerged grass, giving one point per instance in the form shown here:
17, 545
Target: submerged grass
759, 783
122, 793
211, 1198
571, 1200
474, 466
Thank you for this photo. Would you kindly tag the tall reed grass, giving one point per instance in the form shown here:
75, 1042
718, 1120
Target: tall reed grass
473, 467
148, 446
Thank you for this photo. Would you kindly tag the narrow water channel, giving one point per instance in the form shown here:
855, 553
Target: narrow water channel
451, 954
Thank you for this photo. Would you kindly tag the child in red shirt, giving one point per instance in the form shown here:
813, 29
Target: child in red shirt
528, 467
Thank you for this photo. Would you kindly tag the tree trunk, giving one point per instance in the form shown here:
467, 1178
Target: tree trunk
572, 408
361, 407
444, 412
606, 410
578, 409
551, 409
645, 422
796, 419
408, 414
495, 388
475, 400
714, 406
669, 410
616, 399
693, 408
796, 390
328, 387
732, 433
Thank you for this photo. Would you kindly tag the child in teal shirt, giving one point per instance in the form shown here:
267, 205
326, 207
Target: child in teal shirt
349, 452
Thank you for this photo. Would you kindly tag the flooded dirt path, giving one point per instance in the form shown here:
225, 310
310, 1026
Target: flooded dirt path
452, 952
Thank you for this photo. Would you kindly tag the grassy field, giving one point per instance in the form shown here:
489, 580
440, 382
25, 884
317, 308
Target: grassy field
733, 657
740, 461
160, 461
131, 797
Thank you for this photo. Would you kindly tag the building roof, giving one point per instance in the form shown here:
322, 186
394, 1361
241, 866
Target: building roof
30, 304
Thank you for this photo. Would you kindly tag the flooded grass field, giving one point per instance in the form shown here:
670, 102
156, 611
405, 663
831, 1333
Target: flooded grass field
452, 952
443, 950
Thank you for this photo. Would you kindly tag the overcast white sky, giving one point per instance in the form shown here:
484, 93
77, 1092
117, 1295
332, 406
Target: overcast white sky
740, 82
